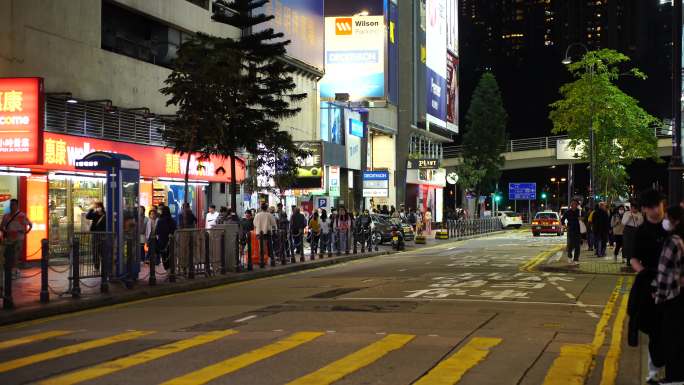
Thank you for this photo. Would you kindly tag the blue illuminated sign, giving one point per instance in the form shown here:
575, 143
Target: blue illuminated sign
356, 127
522, 191
376, 175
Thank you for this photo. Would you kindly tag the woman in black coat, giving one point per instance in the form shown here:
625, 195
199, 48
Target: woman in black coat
165, 227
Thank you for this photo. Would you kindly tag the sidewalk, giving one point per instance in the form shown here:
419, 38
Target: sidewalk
589, 264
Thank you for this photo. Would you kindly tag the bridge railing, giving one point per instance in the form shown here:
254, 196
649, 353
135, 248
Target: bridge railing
540, 143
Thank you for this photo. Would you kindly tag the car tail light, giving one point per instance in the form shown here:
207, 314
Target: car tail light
556, 223
535, 222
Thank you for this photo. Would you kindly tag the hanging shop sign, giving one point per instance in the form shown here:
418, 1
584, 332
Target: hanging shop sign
422, 164
376, 183
310, 168
334, 181
21, 120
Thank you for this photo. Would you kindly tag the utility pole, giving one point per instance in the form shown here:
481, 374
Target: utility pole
675, 168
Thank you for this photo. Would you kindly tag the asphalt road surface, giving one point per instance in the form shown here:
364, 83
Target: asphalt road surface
473, 312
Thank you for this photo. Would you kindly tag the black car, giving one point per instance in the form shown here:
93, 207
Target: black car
381, 227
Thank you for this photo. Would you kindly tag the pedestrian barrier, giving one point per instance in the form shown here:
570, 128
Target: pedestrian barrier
463, 228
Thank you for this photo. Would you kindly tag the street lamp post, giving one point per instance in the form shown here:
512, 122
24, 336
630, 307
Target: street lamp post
675, 168
558, 182
567, 60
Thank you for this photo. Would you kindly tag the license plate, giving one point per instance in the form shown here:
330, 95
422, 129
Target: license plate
395, 238
538, 227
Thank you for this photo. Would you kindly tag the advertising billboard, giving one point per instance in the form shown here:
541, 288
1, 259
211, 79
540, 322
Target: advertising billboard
354, 57
392, 53
356, 127
436, 61
21, 120
334, 181
301, 21
452, 92
310, 170
452, 26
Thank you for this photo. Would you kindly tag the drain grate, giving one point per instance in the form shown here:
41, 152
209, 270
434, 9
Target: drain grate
336, 292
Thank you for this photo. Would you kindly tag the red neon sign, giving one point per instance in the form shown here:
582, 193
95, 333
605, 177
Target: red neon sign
20, 120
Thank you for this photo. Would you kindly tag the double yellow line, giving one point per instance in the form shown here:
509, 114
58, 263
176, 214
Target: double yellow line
531, 265
575, 361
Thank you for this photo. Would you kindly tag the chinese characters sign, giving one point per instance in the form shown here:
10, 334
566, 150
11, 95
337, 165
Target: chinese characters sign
20, 120
62, 151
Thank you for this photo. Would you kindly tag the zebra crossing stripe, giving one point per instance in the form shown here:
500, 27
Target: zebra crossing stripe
355, 361
136, 359
33, 338
71, 349
212, 372
451, 370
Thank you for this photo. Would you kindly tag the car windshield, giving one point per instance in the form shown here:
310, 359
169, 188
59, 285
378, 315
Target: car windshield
380, 218
511, 214
546, 216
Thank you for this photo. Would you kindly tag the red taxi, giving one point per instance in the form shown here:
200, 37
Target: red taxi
546, 222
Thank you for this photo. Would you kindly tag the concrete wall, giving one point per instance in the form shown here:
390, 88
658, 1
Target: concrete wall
305, 125
60, 40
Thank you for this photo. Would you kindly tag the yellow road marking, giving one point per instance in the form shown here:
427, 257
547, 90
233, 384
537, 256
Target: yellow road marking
451, 370
209, 373
136, 359
611, 362
355, 361
33, 338
532, 264
71, 349
572, 366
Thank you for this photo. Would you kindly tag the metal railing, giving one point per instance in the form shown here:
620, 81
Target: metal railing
540, 143
463, 228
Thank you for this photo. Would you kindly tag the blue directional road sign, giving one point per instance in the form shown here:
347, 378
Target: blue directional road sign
522, 191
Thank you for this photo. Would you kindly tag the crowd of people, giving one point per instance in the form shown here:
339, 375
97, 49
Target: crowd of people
650, 240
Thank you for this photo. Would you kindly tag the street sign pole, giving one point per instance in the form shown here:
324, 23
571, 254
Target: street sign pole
529, 210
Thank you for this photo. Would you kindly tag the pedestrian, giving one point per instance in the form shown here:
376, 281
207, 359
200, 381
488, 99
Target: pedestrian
393, 212
222, 216
618, 230
668, 296
343, 224
643, 314
385, 210
601, 226
210, 220
427, 219
326, 229
590, 230
333, 229
13, 229
98, 224
571, 218
247, 222
187, 219
363, 225
151, 238
632, 219
412, 219
166, 226
314, 232
263, 224
142, 229
297, 226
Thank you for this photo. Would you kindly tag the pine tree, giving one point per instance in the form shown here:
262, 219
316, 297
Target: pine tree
485, 136
258, 95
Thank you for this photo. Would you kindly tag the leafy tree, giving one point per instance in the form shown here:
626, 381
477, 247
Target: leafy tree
623, 131
259, 94
485, 136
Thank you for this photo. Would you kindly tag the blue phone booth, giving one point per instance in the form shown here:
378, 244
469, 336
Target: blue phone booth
123, 183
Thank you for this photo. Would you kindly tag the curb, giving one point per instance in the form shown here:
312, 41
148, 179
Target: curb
143, 291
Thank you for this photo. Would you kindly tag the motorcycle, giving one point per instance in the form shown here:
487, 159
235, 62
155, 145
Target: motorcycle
398, 238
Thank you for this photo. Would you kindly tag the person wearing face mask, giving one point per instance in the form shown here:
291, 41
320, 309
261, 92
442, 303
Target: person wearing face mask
644, 316
668, 296
618, 230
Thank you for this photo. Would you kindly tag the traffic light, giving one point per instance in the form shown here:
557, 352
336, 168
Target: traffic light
497, 198
543, 195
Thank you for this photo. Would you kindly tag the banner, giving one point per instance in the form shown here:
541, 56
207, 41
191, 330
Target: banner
334, 181
310, 170
452, 93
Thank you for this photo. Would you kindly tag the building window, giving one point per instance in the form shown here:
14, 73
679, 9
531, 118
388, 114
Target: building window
139, 36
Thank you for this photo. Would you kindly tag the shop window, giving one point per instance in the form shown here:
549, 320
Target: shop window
332, 123
139, 36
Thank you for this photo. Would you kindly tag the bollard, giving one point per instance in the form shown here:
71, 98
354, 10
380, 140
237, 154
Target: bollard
238, 252
250, 267
271, 251
260, 237
153, 263
346, 243
191, 258
282, 242
45, 254
130, 252
328, 243
172, 259
75, 268
224, 268
208, 270
106, 253
301, 247
314, 242
355, 250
